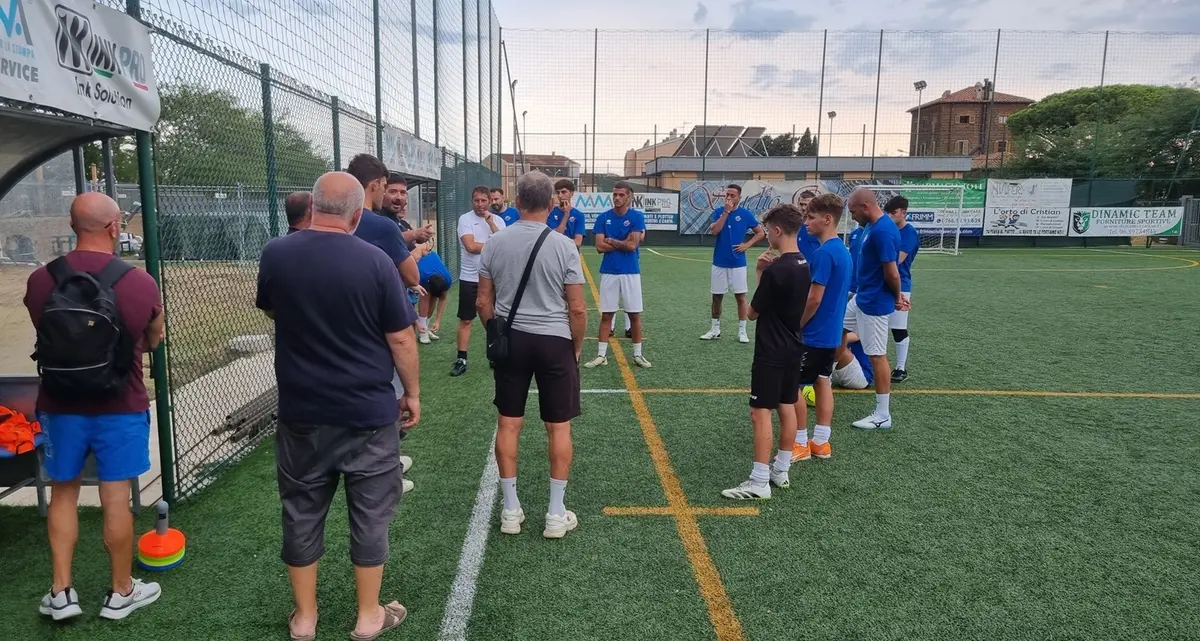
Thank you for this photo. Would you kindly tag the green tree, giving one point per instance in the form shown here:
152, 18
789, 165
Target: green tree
206, 138
124, 153
808, 145
781, 145
1119, 131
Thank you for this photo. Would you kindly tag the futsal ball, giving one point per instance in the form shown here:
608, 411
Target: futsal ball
810, 396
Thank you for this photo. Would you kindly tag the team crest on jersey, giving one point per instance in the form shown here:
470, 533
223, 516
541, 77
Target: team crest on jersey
738, 218
627, 223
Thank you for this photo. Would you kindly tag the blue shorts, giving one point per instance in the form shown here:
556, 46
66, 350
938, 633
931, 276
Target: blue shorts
120, 443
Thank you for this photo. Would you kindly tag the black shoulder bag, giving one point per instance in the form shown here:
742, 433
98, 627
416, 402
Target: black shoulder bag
497, 329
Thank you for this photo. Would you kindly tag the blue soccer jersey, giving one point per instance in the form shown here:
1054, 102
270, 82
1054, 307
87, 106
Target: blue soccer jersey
737, 224
856, 237
910, 243
830, 267
880, 246
619, 227
576, 224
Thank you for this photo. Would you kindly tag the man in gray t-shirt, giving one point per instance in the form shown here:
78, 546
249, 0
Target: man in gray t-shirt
544, 344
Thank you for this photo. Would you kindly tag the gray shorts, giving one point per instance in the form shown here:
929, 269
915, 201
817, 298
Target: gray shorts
309, 461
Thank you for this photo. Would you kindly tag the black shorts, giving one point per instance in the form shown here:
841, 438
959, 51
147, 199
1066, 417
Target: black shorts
816, 362
551, 361
773, 385
467, 293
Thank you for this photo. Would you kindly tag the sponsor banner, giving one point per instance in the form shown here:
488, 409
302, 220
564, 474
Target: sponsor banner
407, 154
78, 57
1033, 207
930, 208
662, 210
1126, 221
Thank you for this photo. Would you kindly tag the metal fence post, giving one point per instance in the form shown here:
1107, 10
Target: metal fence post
479, 75
337, 133
595, 88
378, 84
500, 108
1100, 114
106, 161
875, 126
466, 118
416, 73
987, 124
704, 125
77, 170
269, 144
437, 102
821, 104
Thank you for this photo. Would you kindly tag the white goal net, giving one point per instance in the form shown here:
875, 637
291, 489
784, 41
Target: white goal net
935, 210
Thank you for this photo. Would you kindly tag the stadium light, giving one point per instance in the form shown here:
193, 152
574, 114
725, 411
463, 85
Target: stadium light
832, 115
920, 87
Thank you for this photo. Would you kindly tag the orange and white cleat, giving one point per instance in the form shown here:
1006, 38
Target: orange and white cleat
822, 451
800, 452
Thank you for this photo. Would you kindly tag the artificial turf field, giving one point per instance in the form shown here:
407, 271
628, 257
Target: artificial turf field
1042, 482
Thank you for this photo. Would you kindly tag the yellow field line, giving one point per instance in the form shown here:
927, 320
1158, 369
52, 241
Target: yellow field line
949, 392
720, 610
667, 511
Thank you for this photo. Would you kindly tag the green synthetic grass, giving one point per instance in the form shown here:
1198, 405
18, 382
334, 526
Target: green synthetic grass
996, 517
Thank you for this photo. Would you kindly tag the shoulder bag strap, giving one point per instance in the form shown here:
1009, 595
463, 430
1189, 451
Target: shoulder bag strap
512, 311
114, 271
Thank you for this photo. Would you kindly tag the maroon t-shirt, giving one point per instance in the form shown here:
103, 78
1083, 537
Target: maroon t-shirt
138, 303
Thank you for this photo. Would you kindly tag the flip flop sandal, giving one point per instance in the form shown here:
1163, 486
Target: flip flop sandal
393, 615
295, 637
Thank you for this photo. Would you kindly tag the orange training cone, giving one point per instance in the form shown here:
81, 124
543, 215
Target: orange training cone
163, 548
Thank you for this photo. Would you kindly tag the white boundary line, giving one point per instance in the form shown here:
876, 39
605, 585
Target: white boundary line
462, 592
619, 390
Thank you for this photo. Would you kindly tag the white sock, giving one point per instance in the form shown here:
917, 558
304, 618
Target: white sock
760, 474
716, 326
558, 489
802, 436
613, 325
603, 350
883, 405
510, 493
783, 461
741, 327
628, 324
902, 352
423, 323
821, 434
637, 349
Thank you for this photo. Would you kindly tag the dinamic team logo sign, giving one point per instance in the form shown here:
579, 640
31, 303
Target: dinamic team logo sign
1081, 220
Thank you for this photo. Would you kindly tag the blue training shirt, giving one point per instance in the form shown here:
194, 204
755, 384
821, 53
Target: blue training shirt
910, 242
855, 250
431, 264
830, 266
510, 216
618, 227
576, 224
739, 221
808, 243
383, 233
881, 245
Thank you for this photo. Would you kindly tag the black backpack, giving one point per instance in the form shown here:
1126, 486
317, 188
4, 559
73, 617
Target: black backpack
83, 350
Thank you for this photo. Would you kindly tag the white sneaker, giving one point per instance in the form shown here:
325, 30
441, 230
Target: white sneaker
63, 605
511, 520
874, 422
780, 479
712, 335
118, 606
641, 361
434, 336
558, 526
748, 491
743, 338
405, 463
596, 362
423, 338
406, 487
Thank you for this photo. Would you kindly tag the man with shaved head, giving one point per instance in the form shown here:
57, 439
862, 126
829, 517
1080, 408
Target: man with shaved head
343, 327
106, 315
298, 207
878, 295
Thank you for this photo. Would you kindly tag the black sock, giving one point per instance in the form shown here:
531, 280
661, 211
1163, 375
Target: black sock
462, 354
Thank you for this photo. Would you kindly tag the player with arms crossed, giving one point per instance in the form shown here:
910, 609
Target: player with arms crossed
829, 266
474, 229
910, 242
618, 233
730, 224
564, 218
878, 281
778, 307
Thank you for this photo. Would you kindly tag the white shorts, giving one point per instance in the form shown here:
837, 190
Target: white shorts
849, 377
872, 330
725, 279
621, 291
899, 319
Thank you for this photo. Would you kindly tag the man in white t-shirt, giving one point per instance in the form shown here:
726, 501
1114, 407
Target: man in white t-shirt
474, 229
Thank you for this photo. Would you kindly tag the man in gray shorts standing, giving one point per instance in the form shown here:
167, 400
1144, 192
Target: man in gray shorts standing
343, 325
544, 344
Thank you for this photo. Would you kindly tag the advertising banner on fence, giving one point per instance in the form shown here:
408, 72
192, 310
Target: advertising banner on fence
1032, 207
1126, 221
662, 210
407, 154
940, 208
78, 57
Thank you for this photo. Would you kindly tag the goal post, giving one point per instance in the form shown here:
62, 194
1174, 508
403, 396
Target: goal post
934, 210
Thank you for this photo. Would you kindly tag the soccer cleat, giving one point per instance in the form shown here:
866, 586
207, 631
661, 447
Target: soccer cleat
711, 335
405, 463
558, 526
899, 375
822, 451
748, 491
800, 453
511, 520
118, 606
873, 422
596, 362
743, 338
629, 333
423, 338
433, 336
406, 487
641, 361
63, 605
459, 368
780, 479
